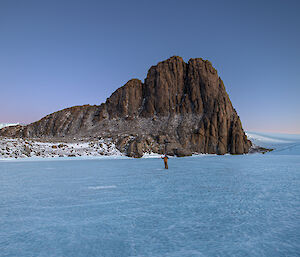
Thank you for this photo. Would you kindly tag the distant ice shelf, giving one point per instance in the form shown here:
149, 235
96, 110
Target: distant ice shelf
287, 144
3, 125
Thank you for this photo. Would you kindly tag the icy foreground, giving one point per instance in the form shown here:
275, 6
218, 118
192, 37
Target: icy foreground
202, 206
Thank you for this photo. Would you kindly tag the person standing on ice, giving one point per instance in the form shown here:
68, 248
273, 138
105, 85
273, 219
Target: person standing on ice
165, 158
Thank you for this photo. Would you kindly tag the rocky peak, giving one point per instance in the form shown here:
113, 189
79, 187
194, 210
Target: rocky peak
180, 108
126, 100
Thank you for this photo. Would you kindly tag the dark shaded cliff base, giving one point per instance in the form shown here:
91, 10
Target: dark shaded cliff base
180, 109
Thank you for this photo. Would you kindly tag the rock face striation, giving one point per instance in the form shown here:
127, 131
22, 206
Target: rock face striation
180, 109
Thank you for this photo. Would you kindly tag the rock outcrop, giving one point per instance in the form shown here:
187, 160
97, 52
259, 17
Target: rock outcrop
181, 108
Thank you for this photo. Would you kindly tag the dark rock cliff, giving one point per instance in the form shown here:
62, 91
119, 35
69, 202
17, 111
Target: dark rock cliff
181, 108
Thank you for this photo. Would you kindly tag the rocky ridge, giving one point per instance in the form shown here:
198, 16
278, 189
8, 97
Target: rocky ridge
181, 108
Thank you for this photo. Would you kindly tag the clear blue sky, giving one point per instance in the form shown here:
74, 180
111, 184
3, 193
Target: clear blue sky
56, 54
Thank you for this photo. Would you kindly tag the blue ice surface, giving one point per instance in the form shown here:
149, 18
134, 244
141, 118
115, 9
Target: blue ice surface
245, 205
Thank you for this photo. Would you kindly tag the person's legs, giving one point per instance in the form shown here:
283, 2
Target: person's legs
166, 165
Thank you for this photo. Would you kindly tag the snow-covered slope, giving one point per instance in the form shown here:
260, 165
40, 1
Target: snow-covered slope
20, 148
281, 143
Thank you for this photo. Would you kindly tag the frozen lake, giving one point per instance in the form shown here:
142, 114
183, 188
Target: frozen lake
202, 206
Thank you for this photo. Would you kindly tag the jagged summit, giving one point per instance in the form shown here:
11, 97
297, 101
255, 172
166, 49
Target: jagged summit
180, 108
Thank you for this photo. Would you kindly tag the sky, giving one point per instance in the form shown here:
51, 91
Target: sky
59, 53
